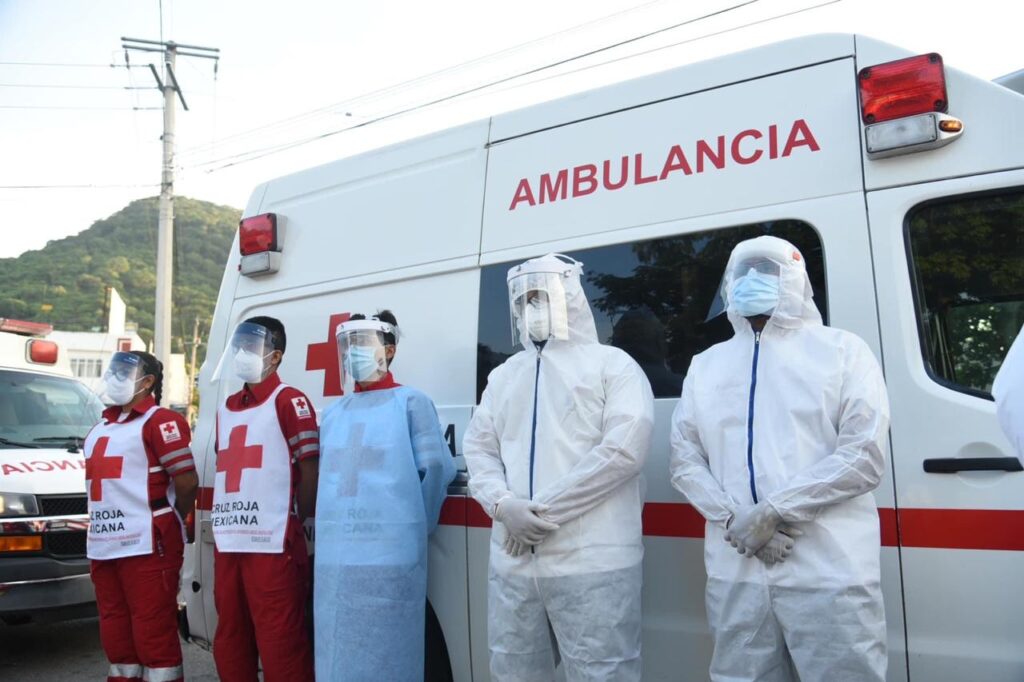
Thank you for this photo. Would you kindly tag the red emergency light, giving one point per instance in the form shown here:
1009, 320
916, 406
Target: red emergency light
258, 234
42, 352
24, 327
905, 87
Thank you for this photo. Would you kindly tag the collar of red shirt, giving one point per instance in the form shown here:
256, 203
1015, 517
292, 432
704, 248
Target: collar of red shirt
386, 381
255, 394
111, 413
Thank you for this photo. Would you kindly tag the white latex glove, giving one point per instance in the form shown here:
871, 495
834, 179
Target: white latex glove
521, 521
752, 528
780, 546
513, 547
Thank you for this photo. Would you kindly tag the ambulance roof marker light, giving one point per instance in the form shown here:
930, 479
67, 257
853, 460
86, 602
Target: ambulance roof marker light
901, 88
42, 352
903, 105
260, 240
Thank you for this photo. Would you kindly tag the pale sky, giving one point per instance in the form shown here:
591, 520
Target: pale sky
292, 71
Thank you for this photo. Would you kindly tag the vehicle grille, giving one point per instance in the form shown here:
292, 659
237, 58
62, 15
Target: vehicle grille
63, 505
66, 545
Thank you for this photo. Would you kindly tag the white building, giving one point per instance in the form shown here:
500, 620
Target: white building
90, 353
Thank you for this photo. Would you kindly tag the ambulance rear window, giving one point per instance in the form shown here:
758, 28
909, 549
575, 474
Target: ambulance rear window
967, 259
650, 298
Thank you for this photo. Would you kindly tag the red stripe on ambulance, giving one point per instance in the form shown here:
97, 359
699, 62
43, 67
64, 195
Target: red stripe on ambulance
924, 528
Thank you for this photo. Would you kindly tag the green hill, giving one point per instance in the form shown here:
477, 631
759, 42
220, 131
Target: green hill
72, 274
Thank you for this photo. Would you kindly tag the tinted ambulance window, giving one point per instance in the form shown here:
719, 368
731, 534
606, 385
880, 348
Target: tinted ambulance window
967, 256
649, 298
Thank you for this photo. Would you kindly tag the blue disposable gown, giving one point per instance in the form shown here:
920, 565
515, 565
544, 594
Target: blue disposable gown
384, 474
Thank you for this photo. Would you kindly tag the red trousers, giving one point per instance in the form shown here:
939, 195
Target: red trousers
137, 598
261, 611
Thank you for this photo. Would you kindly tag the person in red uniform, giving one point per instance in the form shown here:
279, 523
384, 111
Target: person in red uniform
268, 449
141, 483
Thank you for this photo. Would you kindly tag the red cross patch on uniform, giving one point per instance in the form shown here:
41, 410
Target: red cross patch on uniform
301, 407
170, 432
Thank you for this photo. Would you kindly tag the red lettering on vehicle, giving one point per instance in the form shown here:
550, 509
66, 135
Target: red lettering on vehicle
523, 193
806, 138
553, 192
581, 175
743, 148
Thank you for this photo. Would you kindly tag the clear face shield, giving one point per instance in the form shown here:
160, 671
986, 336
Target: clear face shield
122, 378
362, 351
749, 289
537, 303
247, 355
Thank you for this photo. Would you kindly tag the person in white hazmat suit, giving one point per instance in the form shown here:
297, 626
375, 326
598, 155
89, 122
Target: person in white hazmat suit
1008, 391
778, 441
555, 452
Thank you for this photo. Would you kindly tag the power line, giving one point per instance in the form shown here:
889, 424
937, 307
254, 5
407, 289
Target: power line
59, 64
87, 109
259, 153
374, 94
671, 45
83, 186
62, 86
268, 151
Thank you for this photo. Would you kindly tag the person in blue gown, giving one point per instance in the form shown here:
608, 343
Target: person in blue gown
384, 473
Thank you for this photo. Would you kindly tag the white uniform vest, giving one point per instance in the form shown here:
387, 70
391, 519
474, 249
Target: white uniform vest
253, 483
117, 485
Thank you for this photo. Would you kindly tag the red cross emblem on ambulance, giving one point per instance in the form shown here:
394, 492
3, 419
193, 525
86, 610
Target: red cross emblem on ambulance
324, 355
236, 457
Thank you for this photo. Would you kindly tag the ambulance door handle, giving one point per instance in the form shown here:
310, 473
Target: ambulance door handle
952, 465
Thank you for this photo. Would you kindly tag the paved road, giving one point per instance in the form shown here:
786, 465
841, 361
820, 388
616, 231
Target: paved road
70, 652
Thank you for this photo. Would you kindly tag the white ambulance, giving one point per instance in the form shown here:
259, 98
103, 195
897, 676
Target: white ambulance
900, 179
45, 414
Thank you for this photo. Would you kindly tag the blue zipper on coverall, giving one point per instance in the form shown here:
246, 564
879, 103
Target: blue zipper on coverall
533, 431
750, 419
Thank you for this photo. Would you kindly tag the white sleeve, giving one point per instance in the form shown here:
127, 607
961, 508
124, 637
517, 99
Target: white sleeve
1008, 390
689, 465
482, 451
858, 462
626, 428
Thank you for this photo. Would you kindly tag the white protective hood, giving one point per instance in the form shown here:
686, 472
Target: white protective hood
796, 296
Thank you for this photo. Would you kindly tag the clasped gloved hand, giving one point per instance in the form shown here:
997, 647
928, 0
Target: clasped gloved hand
752, 528
521, 520
780, 546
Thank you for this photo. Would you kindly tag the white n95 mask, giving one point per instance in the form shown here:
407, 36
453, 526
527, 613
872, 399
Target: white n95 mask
248, 367
120, 391
538, 320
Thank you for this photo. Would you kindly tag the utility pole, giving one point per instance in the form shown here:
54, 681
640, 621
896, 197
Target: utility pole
165, 230
189, 411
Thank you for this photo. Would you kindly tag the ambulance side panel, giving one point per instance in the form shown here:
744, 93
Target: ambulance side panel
637, 226
397, 228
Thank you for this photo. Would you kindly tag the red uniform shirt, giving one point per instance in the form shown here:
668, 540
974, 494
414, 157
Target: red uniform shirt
295, 414
166, 439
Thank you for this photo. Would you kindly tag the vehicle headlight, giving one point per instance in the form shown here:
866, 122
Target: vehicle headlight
18, 504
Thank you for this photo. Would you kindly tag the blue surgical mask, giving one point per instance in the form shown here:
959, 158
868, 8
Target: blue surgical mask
754, 294
362, 362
